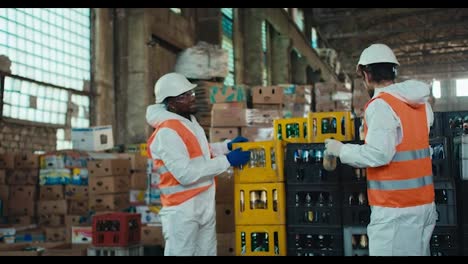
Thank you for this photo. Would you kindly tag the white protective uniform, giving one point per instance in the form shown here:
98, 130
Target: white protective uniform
393, 231
189, 228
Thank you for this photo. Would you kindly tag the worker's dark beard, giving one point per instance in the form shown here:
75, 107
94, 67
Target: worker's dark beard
371, 93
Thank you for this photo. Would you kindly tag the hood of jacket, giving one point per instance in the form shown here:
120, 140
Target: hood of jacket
157, 113
412, 92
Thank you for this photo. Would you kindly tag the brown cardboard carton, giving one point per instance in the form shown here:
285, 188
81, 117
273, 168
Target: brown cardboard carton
226, 244
4, 193
104, 185
218, 134
78, 207
21, 220
228, 115
152, 235
58, 207
2, 177
225, 188
23, 192
267, 95
55, 234
137, 161
108, 167
76, 192
258, 133
109, 202
7, 161
21, 207
219, 93
76, 220
51, 192
26, 161
225, 221
23, 176
51, 220
139, 180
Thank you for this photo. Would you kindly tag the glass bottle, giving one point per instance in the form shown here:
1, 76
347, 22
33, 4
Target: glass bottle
253, 199
242, 202
329, 162
275, 200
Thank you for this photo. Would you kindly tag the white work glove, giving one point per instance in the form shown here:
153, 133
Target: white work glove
333, 147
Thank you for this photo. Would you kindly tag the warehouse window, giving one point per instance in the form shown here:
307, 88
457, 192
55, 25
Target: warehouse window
298, 17
176, 10
462, 87
50, 50
436, 89
227, 44
265, 51
314, 39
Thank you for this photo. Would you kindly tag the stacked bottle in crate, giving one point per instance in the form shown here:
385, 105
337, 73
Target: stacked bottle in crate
260, 215
444, 240
356, 209
313, 209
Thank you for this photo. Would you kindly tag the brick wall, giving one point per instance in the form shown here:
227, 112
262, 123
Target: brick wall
28, 138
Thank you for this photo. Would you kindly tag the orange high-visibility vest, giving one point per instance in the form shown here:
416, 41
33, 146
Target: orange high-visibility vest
407, 180
172, 192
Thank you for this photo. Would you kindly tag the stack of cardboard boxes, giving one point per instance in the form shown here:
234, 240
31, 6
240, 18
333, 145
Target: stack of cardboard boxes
225, 221
332, 97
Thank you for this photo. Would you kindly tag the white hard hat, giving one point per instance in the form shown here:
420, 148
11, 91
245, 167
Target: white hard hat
171, 84
377, 53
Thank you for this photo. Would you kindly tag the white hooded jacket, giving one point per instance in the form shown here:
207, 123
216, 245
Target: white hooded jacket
384, 132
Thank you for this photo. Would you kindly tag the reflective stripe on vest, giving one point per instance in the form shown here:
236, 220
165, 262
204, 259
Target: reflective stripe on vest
407, 180
172, 192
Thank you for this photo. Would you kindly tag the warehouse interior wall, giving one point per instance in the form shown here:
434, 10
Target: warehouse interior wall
449, 101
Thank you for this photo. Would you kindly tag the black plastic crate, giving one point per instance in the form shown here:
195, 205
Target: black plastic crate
349, 174
444, 238
453, 123
313, 205
445, 252
328, 241
441, 158
438, 126
356, 210
445, 203
355, 241
303, 164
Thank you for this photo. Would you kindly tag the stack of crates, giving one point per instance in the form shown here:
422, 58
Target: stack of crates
444, 240
260, 216
313, 203
356, 209
116, 234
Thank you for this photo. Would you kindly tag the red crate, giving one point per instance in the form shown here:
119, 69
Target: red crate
116, 229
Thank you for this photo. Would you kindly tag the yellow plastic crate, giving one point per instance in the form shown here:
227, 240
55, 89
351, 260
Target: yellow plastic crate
266, 162
292, 130
336, 125
267, 240
143, 150
260, 204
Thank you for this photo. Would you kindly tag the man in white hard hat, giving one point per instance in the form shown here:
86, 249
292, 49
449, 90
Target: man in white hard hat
396, 153
186, 165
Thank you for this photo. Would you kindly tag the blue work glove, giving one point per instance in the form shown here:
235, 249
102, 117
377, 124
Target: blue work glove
236, 140
238, 157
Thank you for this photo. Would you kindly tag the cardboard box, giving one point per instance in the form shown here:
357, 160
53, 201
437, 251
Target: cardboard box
225, 188
152, 235
226, 244
76, 192
2, 177
51, 220
137, 161
27, 193
7, 161
218, 134
23, 176
219, 93
139, 180
96, 138
21, 220
109, 202
78, 207
105, 185
138, 196
262, 117
55, 176
225, 220
228, 115
51, 192
108, 167
82, 234
4, 192
26, 161
52, 161
149, 214
21, 207
55, 234
77, 220
58, 207
258, 133
267, 95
